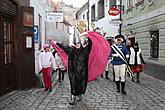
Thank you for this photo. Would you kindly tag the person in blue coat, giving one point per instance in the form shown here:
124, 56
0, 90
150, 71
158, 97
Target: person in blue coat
119, 64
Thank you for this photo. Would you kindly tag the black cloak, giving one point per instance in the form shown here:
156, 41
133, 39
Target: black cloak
78, 67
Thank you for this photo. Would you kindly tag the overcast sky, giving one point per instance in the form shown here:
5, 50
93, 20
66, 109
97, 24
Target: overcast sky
75, 3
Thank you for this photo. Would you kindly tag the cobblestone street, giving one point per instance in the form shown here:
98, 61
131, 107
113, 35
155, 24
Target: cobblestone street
100, 95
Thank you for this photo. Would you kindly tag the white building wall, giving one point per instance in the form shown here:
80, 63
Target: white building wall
39, 9
80, 17
57, 31
104, 23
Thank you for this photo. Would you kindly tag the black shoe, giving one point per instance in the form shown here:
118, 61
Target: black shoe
118, 86
73, 101
124, 92
138, 81
133, 80
123, 88
79, 98
50, 90
118, 91
106, 75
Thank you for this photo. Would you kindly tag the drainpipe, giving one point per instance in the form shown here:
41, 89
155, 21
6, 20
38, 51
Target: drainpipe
120, 17
88, 15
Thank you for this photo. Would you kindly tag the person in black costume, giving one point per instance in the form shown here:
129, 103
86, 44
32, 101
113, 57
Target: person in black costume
78, 67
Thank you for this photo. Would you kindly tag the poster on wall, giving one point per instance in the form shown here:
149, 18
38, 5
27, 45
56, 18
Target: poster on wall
28, 42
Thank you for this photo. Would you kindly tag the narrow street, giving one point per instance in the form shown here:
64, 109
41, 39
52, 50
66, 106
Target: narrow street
95, 30
100, 95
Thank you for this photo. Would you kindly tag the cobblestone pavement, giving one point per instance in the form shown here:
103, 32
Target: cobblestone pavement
100, 95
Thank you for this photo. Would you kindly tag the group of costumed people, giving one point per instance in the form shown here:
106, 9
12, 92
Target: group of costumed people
85, 60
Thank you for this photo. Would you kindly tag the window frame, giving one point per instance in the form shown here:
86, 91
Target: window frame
7, 42
112, 5
101, 9
93, 13
154, 44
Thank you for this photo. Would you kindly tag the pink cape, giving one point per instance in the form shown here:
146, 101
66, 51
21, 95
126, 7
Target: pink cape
62, 53
98, 56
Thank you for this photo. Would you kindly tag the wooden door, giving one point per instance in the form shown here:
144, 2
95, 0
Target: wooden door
6, 55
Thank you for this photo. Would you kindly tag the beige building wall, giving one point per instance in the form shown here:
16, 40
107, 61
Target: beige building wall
140, 21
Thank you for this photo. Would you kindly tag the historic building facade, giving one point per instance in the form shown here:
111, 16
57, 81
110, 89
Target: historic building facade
144, 22
100, 18
16, 45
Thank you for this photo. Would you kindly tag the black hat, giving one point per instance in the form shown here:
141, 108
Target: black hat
120, 36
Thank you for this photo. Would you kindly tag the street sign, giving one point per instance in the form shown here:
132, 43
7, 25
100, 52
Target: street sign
35, 33
55, 17
115, 22
113, 11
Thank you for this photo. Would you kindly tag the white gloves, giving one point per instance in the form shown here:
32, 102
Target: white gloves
115, 55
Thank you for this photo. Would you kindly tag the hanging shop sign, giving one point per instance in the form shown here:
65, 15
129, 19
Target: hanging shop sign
28, 19
113, 11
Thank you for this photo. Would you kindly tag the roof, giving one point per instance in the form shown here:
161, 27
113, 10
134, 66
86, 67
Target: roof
85, 6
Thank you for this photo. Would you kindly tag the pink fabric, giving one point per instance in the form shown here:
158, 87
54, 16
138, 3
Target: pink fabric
98, 56
62, 54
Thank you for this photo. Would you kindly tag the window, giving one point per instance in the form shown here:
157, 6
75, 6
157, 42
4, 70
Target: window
139, 2
150, 2
93, 13
100, 9
63, 28
112, 3
83, 16
40, 31
129, 3
154, 42
8, 43
57, 25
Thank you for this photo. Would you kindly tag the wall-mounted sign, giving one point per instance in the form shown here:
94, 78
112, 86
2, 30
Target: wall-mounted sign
28, 19
35, 33
28, 42
55, 17
115, 22
113, 11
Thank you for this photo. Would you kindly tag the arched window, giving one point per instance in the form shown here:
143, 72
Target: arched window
101, 12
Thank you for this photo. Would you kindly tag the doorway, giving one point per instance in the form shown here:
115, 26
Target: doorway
7, 76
